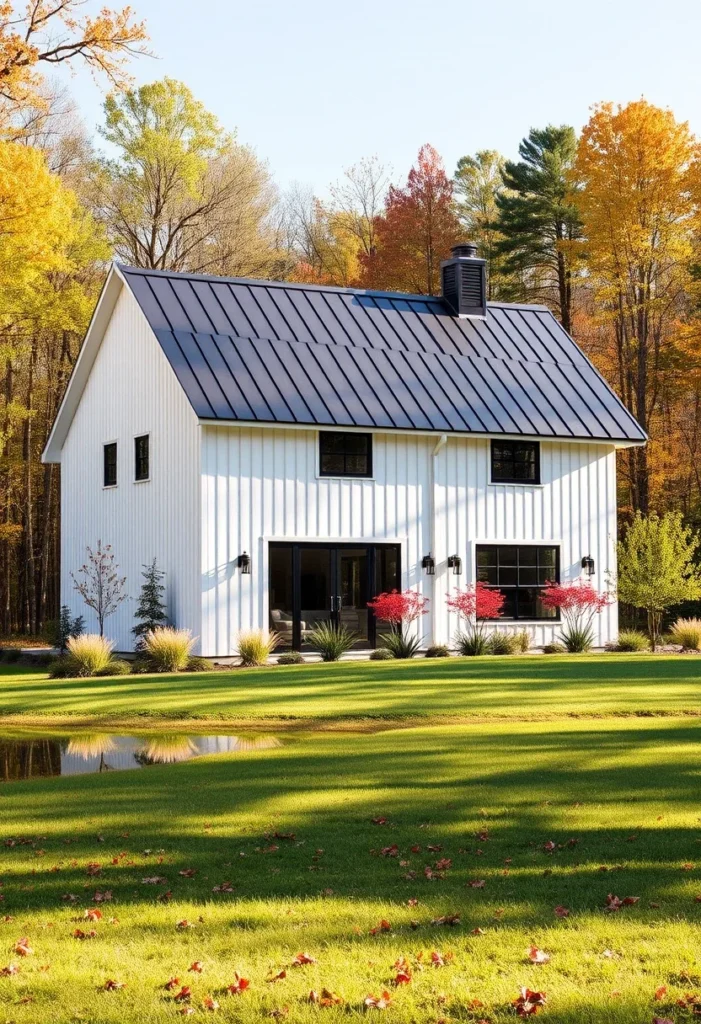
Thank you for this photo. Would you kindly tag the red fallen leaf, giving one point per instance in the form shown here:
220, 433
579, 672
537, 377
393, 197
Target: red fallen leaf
390, 851
403, 977
185, 1011
477, 884
196, 967
165, 897
660, 992
434, 848
93, 915
383, 926
278, 977
289, 836
70, 897
80, 934
112, 986
154, 880
561, 911
102, 897
414, 902
629, 901
183, 995
662, 1020
182, 925
303, 958
443, 864
378, 1002
210, 1003
171, 984
22, 947
94, 869
239, 985
416, 848
224, 887
188, 872
7, 972
449, 919
688, 867
537, 956
428, 872
327, 998
613, 903
477, 931
440, 959
379, 821
549, 846
528, 1002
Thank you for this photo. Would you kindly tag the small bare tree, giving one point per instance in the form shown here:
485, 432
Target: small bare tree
99, 584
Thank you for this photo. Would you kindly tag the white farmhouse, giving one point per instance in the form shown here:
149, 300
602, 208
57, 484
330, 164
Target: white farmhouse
286, 452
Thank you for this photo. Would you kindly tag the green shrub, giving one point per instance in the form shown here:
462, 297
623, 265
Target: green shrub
554, 648
63, 668
168, 649
687, 632
331, 641
381, 654
255, 646
630, 640
438, 651
501, 643
577, 639
117, 667
197, 664
42, 660
11, 655
291, 658
89, 653
471, 644
401, 644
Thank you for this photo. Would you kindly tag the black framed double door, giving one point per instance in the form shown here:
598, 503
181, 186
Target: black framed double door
311, 583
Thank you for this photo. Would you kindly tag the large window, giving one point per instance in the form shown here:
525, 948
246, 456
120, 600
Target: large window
141, 466
515, 462
109, 464
345, 454
519, 571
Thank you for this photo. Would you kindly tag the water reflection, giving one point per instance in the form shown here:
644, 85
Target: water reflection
83, 753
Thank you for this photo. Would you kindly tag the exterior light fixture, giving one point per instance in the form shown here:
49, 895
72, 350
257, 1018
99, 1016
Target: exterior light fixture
428, 564
244, 564
455, 563
588, 565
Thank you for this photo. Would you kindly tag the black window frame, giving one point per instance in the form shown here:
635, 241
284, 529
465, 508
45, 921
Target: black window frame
109, 464
345, 455
529, 566
512, 444
139, 458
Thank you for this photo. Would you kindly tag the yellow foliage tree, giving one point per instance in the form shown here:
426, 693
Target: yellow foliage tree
635, 168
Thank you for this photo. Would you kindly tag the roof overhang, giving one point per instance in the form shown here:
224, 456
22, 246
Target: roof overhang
83, 365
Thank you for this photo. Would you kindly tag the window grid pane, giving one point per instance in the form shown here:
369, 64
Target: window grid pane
141, 457
109, 466
515, 462
345, 454
519, 572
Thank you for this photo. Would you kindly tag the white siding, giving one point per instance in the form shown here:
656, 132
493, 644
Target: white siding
261, 484
132, 390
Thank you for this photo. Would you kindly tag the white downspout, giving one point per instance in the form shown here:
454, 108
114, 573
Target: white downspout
441, 443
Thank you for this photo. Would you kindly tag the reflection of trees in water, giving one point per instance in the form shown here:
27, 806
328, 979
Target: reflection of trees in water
256, 743
92, 745
166, 749
25, 759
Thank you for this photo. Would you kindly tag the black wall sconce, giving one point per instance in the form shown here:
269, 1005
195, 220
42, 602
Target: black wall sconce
428, 564
588, 565
455, 563
244, 564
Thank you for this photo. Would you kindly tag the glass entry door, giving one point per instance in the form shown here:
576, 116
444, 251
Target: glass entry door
314, 583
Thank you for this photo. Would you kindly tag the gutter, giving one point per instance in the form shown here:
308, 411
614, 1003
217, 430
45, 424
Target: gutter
440, 444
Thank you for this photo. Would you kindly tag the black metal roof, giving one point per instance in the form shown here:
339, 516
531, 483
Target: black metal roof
268, 352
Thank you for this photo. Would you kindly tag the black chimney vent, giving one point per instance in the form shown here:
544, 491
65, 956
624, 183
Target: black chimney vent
464, 279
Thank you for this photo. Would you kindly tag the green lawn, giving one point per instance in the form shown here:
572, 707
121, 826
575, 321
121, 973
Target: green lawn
468, 687
623, 795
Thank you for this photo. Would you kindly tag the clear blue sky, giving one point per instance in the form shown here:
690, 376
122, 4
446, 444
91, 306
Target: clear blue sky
314, 85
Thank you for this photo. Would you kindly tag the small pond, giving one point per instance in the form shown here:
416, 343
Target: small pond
29, 756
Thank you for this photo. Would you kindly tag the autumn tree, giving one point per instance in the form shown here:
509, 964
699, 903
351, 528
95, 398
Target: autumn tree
41, 34
416, 231
323, 240
635, 170
358, 199
99, 583
478, 183
181, 194
538, 217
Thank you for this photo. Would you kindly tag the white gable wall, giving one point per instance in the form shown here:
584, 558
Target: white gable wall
132, 390
261, 484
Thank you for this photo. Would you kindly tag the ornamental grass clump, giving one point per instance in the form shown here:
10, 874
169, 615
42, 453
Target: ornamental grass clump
578, 603
255, 647
168, 649
399, 609
630, 640
332, 641
475, 605
687, 633
88, 654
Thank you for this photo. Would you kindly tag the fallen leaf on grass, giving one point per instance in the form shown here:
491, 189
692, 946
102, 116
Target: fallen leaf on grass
183, 995
112, 986
449, 919
561, 911
662, 1020
196, 967
80, 934
302, 959
93, 915
154, 880
478, 883
537, 956
223, 887
7, 972
182, 925
239, 985
403, 977
280, 1013
528, 1002
660, 992
326, 998
22, 947
278, 977
209, 1003
171, 984
383, 926
613, 903
188, 872
390, 851
378, 1002
440, 959
379, 821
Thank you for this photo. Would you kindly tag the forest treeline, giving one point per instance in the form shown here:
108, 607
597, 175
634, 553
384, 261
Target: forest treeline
601, 224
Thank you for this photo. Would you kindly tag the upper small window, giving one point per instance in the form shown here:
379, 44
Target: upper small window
141, 466
109, 464
515, 462
345, 454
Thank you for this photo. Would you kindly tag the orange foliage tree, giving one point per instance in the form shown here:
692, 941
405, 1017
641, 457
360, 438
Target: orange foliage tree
416, 231
635, 169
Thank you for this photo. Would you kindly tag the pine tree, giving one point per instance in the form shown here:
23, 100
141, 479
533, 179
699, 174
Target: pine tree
151, 610
68, 627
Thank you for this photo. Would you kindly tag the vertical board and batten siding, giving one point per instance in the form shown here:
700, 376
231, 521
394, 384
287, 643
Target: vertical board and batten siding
261, 484
132, 390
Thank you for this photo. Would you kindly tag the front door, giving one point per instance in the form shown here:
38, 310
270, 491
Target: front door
314, 583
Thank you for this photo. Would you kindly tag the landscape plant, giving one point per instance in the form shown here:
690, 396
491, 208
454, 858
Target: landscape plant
99, 584
151, 610
438, 651
68, 626
331, 640
167, 649
399, 609
499, 642
630, 640
687, 632
475, 605
88, 654
656, 566
255, 646
578, 603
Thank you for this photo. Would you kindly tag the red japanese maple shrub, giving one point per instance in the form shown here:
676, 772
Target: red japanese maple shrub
399, 609
475, 605
578, 602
